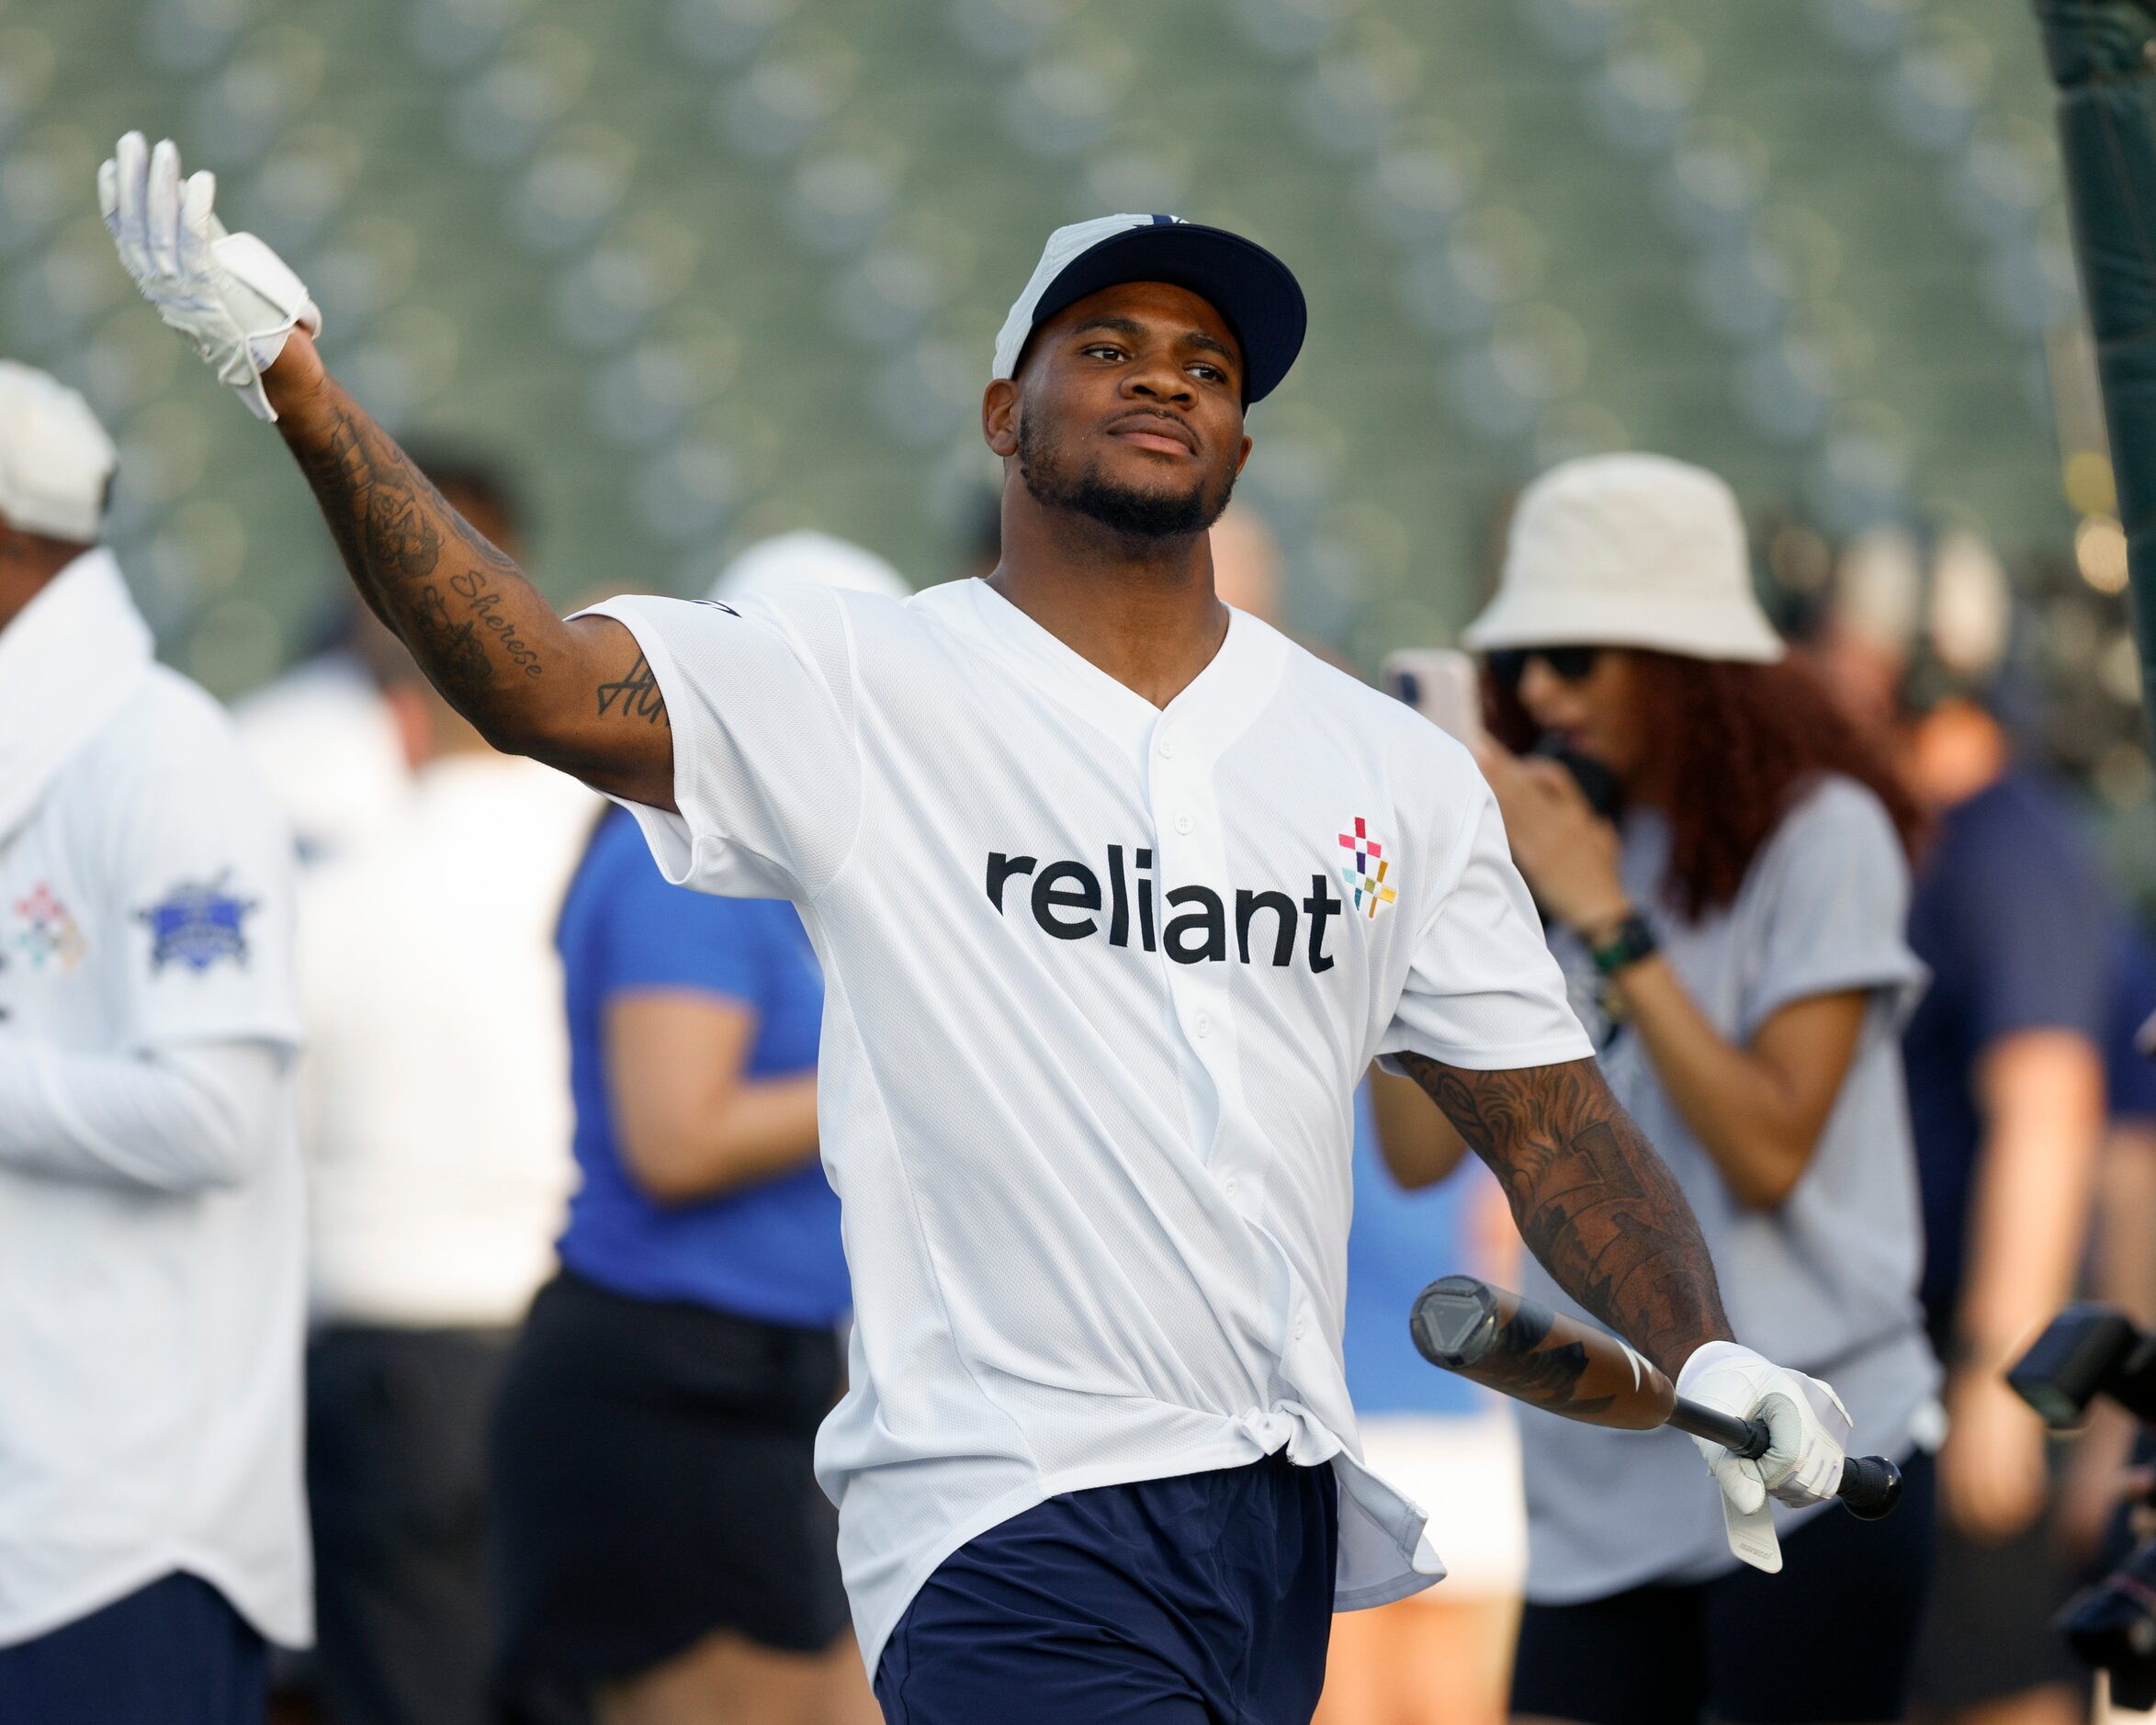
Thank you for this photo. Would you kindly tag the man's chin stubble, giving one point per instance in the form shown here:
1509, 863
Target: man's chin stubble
1141, 514
1134, 513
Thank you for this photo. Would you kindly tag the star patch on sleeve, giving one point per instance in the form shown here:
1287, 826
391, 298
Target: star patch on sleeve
197, 924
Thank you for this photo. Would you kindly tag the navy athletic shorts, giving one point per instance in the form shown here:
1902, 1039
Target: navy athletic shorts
172, 1654
1205, 1599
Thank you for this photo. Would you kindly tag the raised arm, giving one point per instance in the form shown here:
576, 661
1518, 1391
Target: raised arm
576, 696
1593, 1200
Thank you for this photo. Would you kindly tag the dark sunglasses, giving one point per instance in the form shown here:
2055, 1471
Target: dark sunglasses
1567, 664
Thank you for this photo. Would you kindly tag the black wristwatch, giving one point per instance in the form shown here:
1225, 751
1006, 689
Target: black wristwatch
1625, 946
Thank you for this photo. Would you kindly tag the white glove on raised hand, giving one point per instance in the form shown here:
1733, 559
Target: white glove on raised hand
230, 295
1806, 1422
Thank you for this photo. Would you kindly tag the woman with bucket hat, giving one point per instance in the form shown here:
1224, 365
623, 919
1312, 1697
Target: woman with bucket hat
1732, 929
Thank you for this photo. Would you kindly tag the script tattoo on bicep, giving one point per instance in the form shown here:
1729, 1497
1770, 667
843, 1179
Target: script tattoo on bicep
635, 695
1594, 1202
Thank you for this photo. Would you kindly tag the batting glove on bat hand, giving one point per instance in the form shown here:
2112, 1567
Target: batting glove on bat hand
230, 295
1807, 1426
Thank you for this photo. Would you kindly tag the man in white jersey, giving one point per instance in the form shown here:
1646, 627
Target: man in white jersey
151, 1535
1116, 893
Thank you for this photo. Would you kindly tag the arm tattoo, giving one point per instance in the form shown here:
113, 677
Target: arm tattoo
1593, 1200
635, 696
452, 597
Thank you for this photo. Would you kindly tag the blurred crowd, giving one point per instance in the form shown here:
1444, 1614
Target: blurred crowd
574, 1300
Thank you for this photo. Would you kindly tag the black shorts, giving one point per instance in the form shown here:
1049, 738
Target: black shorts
652, 1483
1988, 1632
1718, 1650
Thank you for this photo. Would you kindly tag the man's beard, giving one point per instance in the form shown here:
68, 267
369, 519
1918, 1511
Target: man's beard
1121, 509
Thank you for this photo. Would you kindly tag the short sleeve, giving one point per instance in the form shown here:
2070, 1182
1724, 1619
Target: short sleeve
766, 770
1482, 990
200, 888
1833, 909
2130, 1075
2033, 922
659, 936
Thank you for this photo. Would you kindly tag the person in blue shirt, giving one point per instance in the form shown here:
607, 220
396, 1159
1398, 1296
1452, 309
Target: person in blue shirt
2005, 1068
659, 1531
694, 1022
662, 1551
2089, 1522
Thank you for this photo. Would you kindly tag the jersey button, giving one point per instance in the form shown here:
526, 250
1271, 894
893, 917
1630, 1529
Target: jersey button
1183, 823
1166, 746
1229, 1186
1201, 1024
1301, 1324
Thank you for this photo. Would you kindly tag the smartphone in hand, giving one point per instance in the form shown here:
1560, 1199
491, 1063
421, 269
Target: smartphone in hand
1440, 684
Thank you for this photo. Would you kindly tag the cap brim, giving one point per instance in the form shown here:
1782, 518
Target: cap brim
1255, 292
1683, 628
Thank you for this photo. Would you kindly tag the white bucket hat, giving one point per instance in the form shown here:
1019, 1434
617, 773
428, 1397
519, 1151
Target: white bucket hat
55, 458
1628, 550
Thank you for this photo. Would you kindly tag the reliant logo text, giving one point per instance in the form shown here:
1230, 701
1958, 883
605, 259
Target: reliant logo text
1267, 927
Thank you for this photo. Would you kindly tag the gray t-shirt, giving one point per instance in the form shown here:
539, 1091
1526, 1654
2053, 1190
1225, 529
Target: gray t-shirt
1827, 1282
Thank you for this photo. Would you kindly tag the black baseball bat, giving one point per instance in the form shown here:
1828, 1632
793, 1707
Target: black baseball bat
1521, 1349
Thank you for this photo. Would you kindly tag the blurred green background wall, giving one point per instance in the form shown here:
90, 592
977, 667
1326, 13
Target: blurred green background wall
704, 269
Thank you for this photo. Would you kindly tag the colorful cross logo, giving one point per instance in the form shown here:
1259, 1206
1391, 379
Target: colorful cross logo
1366, 876
49, 935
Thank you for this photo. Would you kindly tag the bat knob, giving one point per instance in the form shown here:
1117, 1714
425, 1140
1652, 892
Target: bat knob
1871, 1487
1454, 1321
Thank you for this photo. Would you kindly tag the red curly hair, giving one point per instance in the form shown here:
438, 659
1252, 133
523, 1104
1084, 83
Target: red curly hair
1736, 744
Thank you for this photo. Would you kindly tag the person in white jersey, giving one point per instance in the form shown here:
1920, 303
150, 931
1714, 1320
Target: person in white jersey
328, 743
152, 1534
435, 1191
1116, 893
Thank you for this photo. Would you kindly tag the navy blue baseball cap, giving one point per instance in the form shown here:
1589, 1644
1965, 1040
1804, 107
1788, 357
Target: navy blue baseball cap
1252, 289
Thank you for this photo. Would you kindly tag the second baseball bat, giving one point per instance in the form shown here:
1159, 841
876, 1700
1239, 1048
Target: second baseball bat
1521, 1349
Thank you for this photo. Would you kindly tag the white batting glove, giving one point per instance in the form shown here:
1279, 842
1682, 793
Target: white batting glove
231, 297
1807, 1424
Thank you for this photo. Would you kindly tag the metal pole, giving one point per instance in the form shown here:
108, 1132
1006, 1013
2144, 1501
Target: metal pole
2102, 57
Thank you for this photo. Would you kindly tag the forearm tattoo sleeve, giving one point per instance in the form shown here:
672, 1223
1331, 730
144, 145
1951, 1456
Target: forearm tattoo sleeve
1594, 1202
476, 625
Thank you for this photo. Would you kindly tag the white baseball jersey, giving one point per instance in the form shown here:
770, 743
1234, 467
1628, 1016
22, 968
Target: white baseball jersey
1100, 979
150, 1338
325, 739
435, 1191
